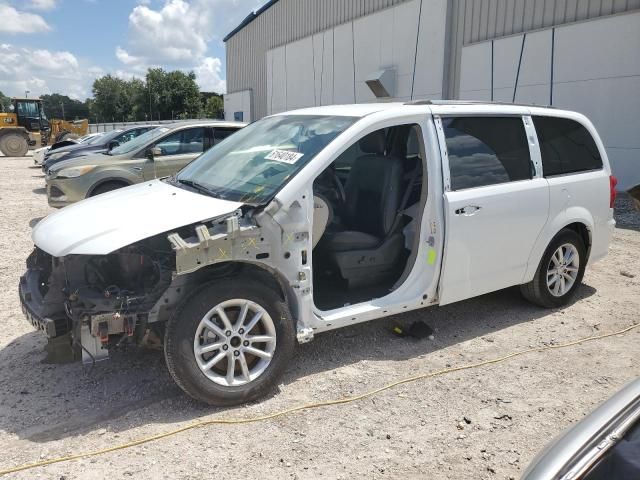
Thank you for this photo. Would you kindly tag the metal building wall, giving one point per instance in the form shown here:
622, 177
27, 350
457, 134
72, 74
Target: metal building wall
477, 20
284, 22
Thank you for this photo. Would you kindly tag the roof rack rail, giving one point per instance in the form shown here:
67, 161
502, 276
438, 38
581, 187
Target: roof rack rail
473, 102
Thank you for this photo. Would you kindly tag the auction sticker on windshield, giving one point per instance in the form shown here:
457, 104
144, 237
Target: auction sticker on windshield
285, 156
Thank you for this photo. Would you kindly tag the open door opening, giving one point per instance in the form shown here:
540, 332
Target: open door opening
368, 208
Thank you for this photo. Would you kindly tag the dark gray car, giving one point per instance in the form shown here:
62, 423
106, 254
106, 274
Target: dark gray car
158, 153
100, 144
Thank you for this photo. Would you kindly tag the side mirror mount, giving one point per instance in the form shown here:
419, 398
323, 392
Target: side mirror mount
153, 152
113, 144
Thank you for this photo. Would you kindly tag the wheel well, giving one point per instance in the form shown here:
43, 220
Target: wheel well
266, 276
117, 181
583, 231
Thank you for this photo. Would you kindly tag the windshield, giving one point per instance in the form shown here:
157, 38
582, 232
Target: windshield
87, 138
140, 141
251, 165
104, 138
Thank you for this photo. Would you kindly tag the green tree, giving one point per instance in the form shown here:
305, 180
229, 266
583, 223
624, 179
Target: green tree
112, 101
4, 102
137, 93
161, 96
172, 94
214, 107
63, 107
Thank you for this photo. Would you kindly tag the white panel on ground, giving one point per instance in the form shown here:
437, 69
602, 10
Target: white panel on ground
343, 74
300, 74
475, 75
431, 46
277, 102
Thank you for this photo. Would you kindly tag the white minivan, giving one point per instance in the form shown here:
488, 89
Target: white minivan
315, 219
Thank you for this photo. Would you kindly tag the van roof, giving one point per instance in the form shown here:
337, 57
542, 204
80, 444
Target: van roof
364, 109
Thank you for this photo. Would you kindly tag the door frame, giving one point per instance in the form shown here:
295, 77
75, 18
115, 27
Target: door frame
419, 288
534, 156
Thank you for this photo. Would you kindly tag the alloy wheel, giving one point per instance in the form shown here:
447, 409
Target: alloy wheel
562, 270
235, 342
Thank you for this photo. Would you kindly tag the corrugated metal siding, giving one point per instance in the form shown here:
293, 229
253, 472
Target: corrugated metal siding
478, 20
285, 22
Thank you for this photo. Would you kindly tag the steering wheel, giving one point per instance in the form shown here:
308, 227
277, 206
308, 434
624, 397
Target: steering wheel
342, 196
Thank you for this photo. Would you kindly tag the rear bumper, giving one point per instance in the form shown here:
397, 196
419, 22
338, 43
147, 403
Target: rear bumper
33, 306
601, 240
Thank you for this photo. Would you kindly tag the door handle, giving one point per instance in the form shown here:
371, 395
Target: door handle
468, 210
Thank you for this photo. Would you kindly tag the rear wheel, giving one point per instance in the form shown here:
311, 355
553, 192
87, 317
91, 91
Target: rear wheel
14, 145
560, 271
230, 342
107, 187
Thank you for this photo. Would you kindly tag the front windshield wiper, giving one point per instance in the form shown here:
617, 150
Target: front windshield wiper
195, 185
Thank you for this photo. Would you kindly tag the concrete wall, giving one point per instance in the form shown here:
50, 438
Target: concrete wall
331, 67
596, 71
473, 21
284, 22
238, 103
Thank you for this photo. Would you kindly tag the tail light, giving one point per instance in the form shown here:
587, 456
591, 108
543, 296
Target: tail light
613, 181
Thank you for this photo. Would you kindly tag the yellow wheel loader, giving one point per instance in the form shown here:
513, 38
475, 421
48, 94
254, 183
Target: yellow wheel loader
26, 126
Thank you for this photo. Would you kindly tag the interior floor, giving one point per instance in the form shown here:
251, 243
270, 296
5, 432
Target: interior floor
331, 291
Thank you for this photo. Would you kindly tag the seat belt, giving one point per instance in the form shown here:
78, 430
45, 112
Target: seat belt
405, 197
412, 178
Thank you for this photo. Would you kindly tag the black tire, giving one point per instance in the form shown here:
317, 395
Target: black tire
14, 145
537, 291
181, 331
107, 187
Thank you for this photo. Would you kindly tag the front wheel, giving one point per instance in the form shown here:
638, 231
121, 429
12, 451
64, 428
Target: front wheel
230, 343
560, 271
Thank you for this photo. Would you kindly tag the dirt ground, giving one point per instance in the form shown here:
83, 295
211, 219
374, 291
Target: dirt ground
417, 430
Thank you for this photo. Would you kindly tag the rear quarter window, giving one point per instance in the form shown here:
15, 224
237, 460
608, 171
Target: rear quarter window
566, 146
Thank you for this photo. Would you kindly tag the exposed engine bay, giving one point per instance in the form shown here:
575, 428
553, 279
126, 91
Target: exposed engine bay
89, 304
89, 301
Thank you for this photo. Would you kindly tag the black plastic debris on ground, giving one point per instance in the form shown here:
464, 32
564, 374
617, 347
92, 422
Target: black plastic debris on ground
417, 329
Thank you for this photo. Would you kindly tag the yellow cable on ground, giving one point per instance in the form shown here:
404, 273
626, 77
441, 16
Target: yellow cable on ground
308, 406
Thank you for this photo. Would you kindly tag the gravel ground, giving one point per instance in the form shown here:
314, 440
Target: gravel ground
417, 430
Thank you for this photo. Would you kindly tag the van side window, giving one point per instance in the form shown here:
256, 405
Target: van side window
566, 146
486, 151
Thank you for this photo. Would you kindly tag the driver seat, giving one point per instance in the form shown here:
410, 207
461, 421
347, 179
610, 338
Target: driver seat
367, 247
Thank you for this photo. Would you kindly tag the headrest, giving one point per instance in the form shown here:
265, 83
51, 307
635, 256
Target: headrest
373, 143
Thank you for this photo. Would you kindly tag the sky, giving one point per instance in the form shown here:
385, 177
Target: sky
61, 46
